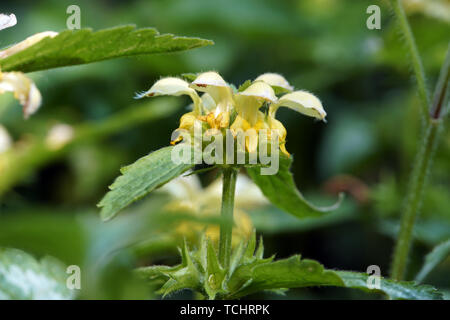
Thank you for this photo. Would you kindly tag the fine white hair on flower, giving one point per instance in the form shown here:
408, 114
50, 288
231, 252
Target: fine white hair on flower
5, 140
7, 20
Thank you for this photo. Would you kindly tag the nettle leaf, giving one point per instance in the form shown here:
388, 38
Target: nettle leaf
393, 289
295, 272
245, 85
280, 189
73, 47
288, 273
249, 273
435, 257
139, 179
23, 277
189, 76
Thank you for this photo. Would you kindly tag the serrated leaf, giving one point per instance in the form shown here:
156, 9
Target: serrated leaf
280, 189
189, 76
139, 179
251, 246
288, 273
215, 274
436, 256
73, 47
23, 277
393, 289
297, 273
244, 86
259, 254
236, 257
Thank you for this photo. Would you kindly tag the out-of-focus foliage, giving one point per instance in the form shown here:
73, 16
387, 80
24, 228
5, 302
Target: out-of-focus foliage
362, 77
22, 277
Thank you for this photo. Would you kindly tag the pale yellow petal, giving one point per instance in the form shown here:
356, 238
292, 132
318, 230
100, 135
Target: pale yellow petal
172, 87
300, 101
208, 102
259, 90
251, 99
24, 90
213, 84
276, 81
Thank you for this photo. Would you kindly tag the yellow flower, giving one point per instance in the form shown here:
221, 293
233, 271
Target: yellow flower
222, 95
249, 118
24, 90
219, 101
300, 101
176, 87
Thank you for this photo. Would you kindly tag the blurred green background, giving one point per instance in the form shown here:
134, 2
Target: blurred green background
363, 78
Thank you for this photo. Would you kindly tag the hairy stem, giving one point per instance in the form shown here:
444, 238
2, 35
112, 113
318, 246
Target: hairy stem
415, 57
422, 166
226, 228
413, 200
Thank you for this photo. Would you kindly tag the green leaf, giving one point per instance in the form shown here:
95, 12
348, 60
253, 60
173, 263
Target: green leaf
288, 273
244, 86
215, 274
73, 47
393, 289
23, 277
297, 273
139, 179
280, 189
189, 76
436, 256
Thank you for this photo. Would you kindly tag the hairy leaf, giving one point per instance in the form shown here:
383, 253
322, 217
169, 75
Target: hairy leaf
280, 189
73, 47
140, 178
296, 273
23, 277
393, 289
289, 273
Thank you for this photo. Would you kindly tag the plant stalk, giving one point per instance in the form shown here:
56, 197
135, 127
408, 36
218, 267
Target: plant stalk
421, 168
226, 227
414, 55
414, 200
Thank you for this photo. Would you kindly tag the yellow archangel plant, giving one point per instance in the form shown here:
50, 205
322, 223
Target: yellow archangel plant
223, 107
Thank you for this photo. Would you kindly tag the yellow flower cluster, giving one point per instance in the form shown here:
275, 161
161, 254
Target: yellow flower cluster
220, 100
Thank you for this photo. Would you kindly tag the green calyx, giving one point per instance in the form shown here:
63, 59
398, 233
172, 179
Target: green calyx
201, 271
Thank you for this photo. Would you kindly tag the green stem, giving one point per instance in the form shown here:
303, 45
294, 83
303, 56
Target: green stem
415, 57
422, 166
226, 228
414, 199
